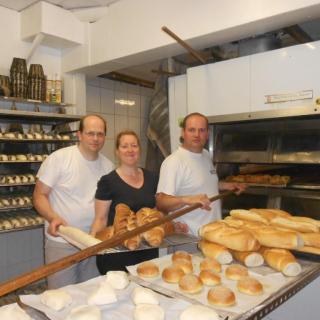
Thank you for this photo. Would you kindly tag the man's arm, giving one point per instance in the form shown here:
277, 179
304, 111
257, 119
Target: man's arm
102, 208
42, 205
167, 203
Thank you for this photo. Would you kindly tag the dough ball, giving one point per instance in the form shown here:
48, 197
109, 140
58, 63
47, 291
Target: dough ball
198, 312
103, 294
56, 299
144, 296
148, 312
13, 311
117, 279
85, 313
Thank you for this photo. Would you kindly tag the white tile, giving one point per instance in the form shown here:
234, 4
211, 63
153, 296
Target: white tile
134, 124
108, 150
146, 91
107, 83
107, 101
144, 145
93, 99
121, 86
93, 82
145, 106
134, 111
118, 108
3, 249
120, 124
132, 88
144, 128
110, 125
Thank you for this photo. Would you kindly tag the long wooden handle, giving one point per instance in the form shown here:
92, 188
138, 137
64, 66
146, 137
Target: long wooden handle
193, 52
65, 262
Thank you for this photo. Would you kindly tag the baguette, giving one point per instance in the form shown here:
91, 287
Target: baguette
232, 238
248, 215
306, 219
249, 259
308, 249
216, 251
282, 260
290, 223
155, 235
311, 239
272, 237
125, 220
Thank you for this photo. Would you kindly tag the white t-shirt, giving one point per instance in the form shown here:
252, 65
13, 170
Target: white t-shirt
189, 173
73, 180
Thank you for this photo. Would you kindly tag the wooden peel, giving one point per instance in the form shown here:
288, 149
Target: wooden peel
65, 262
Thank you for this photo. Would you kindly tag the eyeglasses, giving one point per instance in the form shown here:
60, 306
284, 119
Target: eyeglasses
92, 134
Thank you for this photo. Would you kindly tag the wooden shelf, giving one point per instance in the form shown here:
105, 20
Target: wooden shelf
34, 102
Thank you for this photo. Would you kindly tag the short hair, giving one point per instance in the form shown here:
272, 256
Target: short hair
82, 120
190, 115
126, 133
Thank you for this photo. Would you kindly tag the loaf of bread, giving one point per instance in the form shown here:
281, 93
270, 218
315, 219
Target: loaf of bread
250, 286
236, 271
308, 249
190, 283
294, 224
248, 258
172, 274
232, 238
210, 264
275, 238
248, 215
148, 269
105, 233
281, 260
155, 235
311, 239
184, 264
216, 251
209, 278
124, 221
221, 296
306, 219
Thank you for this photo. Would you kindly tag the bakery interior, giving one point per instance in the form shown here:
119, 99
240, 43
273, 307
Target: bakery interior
254, 75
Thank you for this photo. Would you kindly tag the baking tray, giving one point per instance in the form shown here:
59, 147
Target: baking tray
263, 185
306, 255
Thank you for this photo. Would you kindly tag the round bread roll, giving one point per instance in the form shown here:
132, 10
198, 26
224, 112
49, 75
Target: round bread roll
6, 202
210, 264
4, 157
250, 286
184, 264
181, 255
148, 312
172, 274
31, 157
221, 296
85, 313
236, 271
148, 269
21, 157
198, 312
209, 278
144, 296
29, 135
12, 157
190, 283
56, 299
117, 279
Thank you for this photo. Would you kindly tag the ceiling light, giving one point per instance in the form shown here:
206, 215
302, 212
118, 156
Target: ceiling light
123, 102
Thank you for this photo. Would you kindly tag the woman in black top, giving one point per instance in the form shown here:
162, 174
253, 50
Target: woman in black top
128, 184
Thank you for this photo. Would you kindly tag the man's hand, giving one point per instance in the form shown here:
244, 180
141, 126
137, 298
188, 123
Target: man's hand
180, 227
233, 186
54, 225
198, 198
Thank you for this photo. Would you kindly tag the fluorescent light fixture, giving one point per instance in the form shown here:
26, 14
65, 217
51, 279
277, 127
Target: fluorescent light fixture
123, 102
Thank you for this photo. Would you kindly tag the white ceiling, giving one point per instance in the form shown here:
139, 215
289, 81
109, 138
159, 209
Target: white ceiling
19, 5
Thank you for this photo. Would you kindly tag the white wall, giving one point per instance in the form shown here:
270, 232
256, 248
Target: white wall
101, 95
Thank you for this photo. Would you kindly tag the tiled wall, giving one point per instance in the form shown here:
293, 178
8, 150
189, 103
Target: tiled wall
20, 252
101, 96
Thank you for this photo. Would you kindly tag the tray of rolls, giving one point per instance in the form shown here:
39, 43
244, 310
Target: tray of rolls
33, 136
260, 180
10, 203
21, 219
8, 158
17, 179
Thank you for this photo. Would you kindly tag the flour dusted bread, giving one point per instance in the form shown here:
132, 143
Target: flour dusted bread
232, 238
199, 312
216, 251
148, 269
250, 286
236, 272
248, 258
148, 312
144, 296
124, 221
221, 296
103, 294
155, 235
56, 299
172, 274
190, 283
13, 312
210, 264
281, 260
248, 215
85, 313
117, 279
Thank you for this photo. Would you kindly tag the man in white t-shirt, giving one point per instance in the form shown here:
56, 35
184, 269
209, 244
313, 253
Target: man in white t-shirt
188, 176
64, 195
